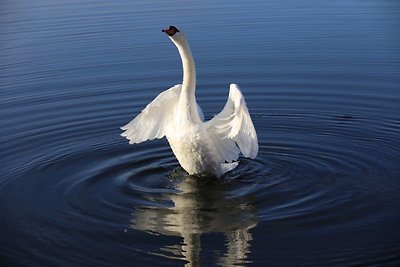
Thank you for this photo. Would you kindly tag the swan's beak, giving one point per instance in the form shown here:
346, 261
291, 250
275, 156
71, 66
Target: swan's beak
171, 31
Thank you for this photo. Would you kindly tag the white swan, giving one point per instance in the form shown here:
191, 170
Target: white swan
202, 148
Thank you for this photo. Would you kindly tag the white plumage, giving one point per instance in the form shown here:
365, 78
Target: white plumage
209, 148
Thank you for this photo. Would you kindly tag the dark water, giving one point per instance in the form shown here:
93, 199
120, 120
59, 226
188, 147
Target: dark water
322, 83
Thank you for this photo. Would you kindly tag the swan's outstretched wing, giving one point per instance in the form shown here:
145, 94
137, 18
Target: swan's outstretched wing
233, 125
153, 121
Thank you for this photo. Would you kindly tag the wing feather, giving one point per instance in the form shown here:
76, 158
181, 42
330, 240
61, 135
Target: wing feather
153, 121
233, 126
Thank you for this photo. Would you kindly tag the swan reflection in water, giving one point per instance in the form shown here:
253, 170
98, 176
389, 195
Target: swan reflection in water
201, 206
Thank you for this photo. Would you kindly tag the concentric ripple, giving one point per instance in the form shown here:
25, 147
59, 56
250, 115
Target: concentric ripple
305, 177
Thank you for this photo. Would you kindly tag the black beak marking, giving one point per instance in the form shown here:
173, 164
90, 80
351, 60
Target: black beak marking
171, 31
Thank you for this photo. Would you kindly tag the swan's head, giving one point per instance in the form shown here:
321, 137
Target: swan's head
175, 35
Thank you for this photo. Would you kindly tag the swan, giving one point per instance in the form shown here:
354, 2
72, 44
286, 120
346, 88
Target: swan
202, 147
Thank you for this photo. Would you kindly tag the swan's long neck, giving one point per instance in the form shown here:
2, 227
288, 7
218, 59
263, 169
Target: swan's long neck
187, 108
189, 69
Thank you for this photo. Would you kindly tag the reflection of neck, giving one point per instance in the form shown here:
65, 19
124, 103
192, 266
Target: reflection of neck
187, 101
191, 249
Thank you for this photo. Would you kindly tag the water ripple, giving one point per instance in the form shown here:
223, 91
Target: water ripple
321, 85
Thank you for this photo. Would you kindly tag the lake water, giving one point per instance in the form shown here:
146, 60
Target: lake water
321, 80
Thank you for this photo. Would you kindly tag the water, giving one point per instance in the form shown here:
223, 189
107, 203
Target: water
322, 83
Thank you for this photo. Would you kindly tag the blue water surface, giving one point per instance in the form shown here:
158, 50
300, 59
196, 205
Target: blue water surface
321, 81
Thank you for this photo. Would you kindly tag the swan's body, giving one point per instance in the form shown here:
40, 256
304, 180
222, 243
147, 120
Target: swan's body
201, 147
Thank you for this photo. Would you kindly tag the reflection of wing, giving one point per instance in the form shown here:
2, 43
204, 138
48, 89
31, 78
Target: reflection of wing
233, 125
153, 121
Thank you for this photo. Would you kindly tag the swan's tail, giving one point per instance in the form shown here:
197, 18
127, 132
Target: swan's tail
226, 167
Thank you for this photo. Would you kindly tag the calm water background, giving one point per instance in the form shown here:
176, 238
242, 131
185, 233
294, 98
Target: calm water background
322, 83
